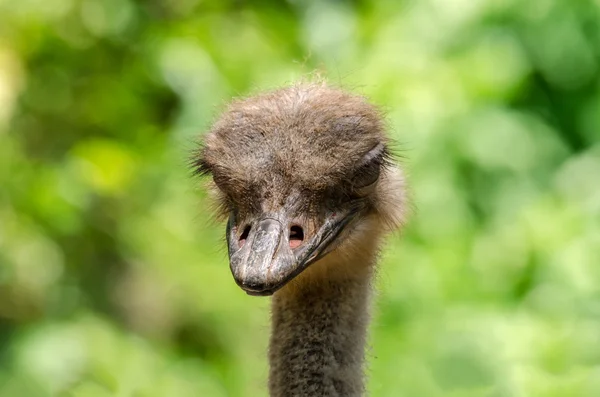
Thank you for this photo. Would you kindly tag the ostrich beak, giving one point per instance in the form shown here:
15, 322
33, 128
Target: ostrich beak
265, 261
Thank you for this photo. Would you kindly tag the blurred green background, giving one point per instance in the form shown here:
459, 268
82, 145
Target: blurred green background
114, 281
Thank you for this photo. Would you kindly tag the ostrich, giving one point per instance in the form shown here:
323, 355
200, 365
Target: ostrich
304, 177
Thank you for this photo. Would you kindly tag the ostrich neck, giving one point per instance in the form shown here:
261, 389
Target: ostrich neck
318, 339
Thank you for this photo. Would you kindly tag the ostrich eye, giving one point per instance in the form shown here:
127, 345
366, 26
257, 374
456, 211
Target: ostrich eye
367, 175
368, 171
200, 166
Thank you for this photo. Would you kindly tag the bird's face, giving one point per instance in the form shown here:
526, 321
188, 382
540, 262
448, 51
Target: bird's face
295, 225
294, 171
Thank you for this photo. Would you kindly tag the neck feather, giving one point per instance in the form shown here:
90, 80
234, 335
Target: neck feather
319, 331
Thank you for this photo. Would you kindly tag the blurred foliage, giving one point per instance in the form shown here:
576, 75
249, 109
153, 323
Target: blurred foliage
114, 281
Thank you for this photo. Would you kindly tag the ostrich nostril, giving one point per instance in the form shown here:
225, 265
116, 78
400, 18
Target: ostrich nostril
244, 236
296, 236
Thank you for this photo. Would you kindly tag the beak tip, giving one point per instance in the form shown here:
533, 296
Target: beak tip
259, 293
255, 287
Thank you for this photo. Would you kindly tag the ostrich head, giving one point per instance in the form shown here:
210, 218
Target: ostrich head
304, 176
